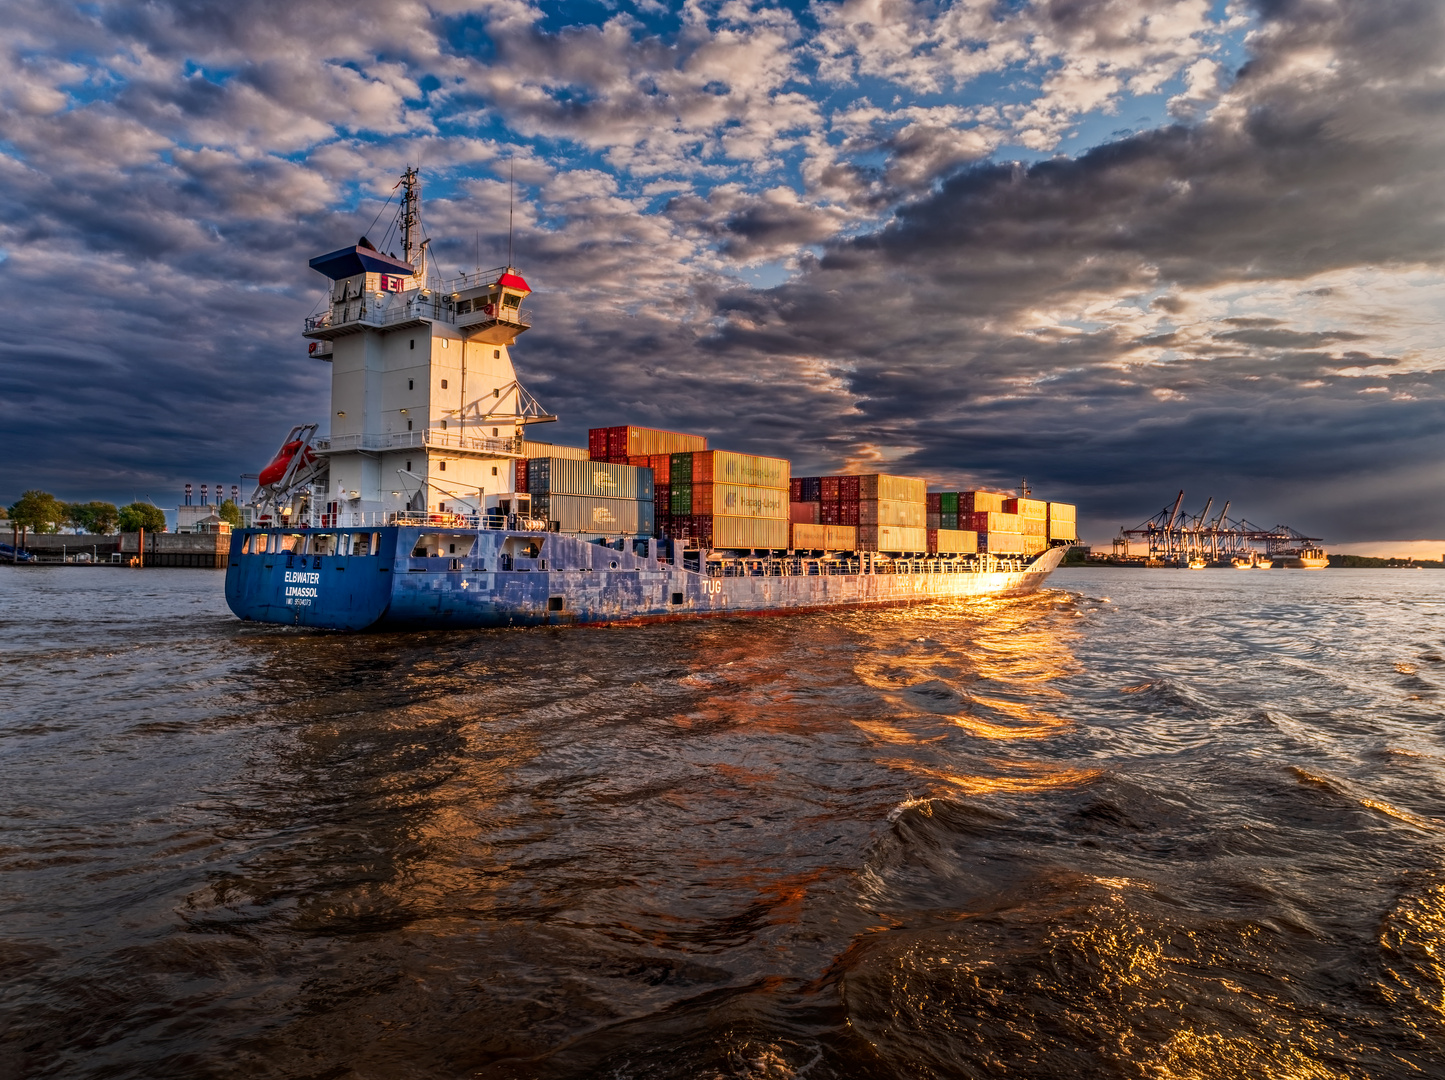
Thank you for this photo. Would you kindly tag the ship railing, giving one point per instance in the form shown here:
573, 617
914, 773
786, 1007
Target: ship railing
407, 440
435, 306
367, 312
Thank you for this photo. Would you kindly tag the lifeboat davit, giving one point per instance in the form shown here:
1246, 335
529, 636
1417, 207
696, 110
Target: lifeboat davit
277, 469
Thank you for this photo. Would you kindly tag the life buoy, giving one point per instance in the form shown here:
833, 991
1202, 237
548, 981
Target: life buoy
277, 469
311, 349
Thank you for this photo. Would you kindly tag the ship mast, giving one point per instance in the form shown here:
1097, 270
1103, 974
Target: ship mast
410, 212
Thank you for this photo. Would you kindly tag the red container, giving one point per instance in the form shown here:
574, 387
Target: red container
521, 484
661, 465
848, 513
795, 490
830, 513
830, 487
805, 513
934, 502
597, 444
850, 488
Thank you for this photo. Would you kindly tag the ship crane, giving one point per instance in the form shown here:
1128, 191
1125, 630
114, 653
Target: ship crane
1176, 536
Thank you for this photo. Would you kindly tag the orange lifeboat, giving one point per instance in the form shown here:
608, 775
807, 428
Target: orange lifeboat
277, 469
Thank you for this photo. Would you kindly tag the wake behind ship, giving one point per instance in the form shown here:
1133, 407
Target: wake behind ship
428, 506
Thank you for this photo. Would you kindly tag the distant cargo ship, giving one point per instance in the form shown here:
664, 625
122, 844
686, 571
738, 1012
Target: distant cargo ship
427, 506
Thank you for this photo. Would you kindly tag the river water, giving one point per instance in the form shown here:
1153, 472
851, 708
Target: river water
1143, 824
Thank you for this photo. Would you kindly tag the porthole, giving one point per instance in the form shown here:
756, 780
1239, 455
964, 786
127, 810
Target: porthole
413, 343
444, 384
496, 354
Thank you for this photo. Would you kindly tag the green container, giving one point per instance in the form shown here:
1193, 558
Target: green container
681, 500
680, 470
948, 503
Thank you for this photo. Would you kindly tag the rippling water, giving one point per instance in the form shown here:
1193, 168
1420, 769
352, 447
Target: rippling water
1145, 824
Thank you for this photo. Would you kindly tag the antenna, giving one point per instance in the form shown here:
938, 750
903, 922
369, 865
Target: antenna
410, 210
511, 188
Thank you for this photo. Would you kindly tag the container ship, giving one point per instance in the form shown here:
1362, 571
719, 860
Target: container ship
427, 505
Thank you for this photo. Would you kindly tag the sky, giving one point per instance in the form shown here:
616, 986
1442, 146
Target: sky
1118, 247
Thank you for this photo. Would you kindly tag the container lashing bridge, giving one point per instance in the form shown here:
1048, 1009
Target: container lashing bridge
1173, 535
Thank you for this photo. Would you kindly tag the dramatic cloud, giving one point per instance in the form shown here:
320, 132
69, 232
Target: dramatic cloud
1116, 246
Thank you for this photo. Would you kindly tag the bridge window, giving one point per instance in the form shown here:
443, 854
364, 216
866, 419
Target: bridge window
442, 465
444, 384
496, 355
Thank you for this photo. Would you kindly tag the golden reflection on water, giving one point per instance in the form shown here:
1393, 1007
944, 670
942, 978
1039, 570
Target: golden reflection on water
984, 670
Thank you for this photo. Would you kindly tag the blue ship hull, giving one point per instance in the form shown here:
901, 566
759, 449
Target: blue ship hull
422, 577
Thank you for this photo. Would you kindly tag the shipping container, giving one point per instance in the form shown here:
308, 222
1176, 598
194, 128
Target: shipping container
952, 542
948, 502
521, 475
680, 502
935, 499
738, 500
545, 449
594, 516
809, 537
563, 476
828, 488
850, 489
795, 489
932, 520
805, 513
892, 538
661, 466
1062, 511
1001, 543
1030, 509
893, 488
727, 467
1034, 544
988, 521
1061, 522
977, 502
908, 515
848, 513
830, 513
812, 489
1033, 527
744, 532
841, 537
679, 467
629, 440
948, 520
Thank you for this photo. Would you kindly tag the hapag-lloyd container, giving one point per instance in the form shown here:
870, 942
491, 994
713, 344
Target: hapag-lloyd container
976, 502
893, 488
908, 515
738, 532
952, 542
562, 476
892, 538
1028, 509
595, 516
1062, 525
988, 521
1002, 543
738, 500
728, 467
808, 537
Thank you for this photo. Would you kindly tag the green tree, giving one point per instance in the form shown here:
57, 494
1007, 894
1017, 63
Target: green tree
94, 517
138, 515
229, 512
38, 511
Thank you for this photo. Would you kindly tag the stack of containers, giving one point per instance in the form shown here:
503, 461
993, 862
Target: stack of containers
619, 444
592, 498
728, 500
944, 535
999, 533
1062, 522
892, 513
818, 522
521, 474
1033, 515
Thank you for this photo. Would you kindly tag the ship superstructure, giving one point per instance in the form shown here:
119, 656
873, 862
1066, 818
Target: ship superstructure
427, 414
